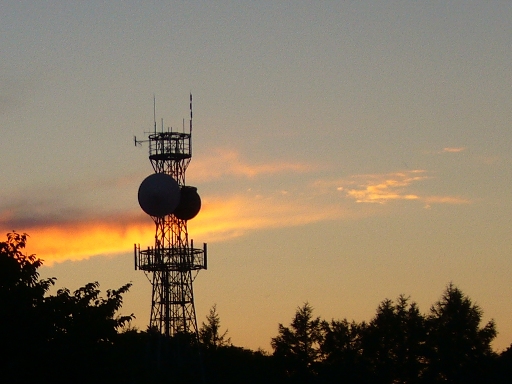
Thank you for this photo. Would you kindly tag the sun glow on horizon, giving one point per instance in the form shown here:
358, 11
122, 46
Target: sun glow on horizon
79, 241
220, 219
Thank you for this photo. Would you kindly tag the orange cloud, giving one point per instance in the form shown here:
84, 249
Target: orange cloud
228, 162
221, 218
81, 240
55, 237
382, 188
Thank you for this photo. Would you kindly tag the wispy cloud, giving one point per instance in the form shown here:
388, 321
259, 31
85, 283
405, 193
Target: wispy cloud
488, 160
224, 162
61, 230
446, 200
222, 218
387, 187
453, 149
376, 188
445, 150
382, 188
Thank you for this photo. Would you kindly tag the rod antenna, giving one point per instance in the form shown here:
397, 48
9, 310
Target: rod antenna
190, 112
154, 111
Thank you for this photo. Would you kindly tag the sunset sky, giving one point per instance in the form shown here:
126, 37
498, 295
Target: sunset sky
345, 151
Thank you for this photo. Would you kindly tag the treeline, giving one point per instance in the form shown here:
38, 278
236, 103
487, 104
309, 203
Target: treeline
79, 337
399, 345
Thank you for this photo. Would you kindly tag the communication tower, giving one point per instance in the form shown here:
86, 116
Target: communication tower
172, 263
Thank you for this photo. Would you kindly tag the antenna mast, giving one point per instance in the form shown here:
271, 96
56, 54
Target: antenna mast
190, 113
154, 112
172, 262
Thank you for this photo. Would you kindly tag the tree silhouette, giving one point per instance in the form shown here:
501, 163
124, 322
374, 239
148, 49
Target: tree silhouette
342, 352
22, 328
53, 338
398, 345
209, 333
458, 349
297, 348
226, 363
78, 337
503, 367
393, 342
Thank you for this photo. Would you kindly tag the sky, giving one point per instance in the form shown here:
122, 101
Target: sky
345, 151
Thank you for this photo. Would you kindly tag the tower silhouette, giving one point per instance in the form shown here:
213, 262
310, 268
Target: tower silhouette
172, 263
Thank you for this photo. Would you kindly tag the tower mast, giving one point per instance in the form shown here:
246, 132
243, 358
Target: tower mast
172, 261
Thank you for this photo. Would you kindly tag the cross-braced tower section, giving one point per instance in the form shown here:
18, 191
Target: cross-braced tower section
172, 262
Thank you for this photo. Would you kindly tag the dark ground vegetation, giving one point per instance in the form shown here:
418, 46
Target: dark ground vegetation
78, 337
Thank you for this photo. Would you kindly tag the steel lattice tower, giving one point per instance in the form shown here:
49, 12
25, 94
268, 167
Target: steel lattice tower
173, 261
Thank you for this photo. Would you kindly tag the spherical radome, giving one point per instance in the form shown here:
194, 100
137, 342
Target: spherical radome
190, 203
159, 194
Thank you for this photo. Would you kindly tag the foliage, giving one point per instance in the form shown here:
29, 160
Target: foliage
21, 299
209, 333
79, 337
393, 342
502, 369
459, 350
399, 345
225, 363
230, 364
342, 352
297, 347
74, 329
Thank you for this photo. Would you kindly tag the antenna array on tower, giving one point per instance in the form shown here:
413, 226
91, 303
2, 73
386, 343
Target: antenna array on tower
172, 259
